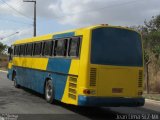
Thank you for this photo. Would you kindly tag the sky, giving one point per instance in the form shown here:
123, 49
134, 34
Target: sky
16, 16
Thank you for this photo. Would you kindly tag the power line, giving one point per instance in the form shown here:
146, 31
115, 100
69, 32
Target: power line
18, 6
16, 10
15, 21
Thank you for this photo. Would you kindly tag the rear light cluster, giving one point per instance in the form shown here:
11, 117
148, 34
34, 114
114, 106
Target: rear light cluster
89, 91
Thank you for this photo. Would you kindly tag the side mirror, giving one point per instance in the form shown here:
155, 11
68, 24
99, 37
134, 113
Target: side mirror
10, 50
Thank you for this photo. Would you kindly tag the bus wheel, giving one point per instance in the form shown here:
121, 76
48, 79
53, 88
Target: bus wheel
15, 82
49, 91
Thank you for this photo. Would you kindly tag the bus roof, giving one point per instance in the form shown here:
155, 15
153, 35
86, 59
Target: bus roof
49, 36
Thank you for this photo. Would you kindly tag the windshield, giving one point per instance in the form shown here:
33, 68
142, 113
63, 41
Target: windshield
116, 46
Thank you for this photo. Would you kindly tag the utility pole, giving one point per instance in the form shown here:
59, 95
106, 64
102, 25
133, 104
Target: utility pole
34, 22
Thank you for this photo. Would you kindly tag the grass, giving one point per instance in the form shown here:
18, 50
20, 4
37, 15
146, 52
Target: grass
152, 96
3, 62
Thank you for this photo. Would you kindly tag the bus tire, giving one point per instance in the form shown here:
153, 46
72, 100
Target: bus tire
15, 82
49, 91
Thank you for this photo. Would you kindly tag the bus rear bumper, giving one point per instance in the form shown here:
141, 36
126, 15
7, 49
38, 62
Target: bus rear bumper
110, 101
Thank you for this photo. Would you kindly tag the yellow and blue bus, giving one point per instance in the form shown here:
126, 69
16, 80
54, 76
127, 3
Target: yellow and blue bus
100, 65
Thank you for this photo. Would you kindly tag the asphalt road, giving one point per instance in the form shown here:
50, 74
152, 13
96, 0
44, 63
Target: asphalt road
30, 105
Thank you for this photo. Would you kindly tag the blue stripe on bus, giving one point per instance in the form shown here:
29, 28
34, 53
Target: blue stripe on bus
10, 72
35, 79
70, 34
30, 78
59, 65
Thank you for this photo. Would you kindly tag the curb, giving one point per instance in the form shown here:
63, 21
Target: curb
153, 101
3, 71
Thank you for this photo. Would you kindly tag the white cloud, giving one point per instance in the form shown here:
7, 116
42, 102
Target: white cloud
80, 13
118, 12
86, 12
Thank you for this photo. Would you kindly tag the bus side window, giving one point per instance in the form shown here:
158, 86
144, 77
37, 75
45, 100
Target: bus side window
47, 48
16, 50
37, 48
29, 49
61, 47
22, 50
15, 47
74, 47
25, 47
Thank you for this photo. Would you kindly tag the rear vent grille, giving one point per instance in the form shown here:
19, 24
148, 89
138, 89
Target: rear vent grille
93, 75
140, 78
72, 88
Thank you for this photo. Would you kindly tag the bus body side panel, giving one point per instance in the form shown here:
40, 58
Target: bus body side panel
32, 72
83, 80
62, 67
70, 91
77, 82
31, 78
57, 70
35, 78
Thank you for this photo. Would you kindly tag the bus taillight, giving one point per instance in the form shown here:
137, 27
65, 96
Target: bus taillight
88, 91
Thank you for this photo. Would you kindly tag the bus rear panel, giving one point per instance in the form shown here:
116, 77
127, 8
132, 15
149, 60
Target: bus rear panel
116, 69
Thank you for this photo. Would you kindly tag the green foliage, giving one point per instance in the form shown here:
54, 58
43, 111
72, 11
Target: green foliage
146, 56
156, 49
3, 48
151, 42
153, 24
151, 35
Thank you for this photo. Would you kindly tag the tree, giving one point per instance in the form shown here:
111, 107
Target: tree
151, 36
3, 48
151, 42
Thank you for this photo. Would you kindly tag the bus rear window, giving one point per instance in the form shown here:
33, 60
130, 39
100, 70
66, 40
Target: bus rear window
115, 46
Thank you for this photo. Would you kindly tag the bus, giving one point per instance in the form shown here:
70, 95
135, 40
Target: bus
100, 65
